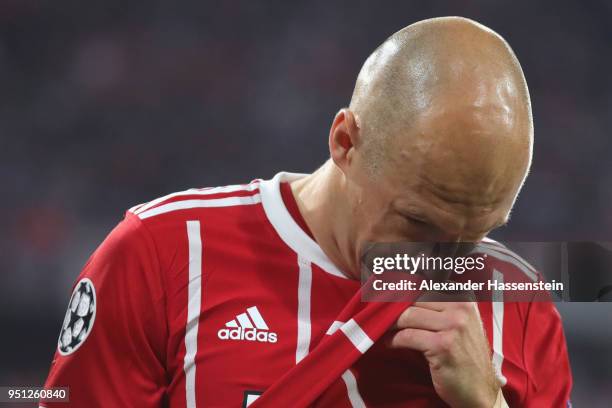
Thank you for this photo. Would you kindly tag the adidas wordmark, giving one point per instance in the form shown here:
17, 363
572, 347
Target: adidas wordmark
248, 326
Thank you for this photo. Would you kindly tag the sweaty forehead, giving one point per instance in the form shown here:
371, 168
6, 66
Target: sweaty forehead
459, 165
454, 188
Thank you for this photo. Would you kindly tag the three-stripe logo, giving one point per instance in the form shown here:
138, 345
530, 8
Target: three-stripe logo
249, 326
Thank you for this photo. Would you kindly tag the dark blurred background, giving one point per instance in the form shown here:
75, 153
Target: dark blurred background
106, 104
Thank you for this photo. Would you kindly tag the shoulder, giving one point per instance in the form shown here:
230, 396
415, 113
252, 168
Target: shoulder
506, 261
128, 240
507, 265
222, 215
199, 198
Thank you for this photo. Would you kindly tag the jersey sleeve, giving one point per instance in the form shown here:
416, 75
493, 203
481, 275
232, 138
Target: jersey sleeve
546, 358
112, 345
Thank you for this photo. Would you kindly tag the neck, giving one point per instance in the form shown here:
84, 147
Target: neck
320, 205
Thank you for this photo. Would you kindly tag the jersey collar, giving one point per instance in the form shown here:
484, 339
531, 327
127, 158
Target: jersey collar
286, 227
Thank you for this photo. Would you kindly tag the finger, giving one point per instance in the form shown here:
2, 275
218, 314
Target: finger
435, 306
414, 339
447, 296
419, 318
443, 306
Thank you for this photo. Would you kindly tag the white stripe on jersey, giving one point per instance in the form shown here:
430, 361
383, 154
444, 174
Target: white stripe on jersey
508, 256
303, 314
134, 208
487, 240
498, 328
352, 390
357, 336
286, 227
197, 192
499, 247
193, 310
334, 327
189, 204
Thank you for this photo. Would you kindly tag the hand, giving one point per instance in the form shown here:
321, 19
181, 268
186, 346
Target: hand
451, 336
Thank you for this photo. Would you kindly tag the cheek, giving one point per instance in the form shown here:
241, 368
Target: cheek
369, 208
377, 224
393, 228
387, 229
358, 199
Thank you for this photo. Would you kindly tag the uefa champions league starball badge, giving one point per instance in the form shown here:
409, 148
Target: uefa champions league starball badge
79, 318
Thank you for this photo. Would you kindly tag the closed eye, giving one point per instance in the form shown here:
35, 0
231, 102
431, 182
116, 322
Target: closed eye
415, 221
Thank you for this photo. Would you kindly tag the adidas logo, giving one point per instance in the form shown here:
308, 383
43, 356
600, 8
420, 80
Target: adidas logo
248, 326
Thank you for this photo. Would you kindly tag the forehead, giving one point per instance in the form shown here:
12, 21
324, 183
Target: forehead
455, 178
457, 184
465, 154
453, 209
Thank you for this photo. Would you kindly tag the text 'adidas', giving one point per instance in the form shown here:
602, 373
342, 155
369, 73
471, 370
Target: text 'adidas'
248, 326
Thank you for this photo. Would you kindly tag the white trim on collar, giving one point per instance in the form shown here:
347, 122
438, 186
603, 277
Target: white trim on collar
286, 227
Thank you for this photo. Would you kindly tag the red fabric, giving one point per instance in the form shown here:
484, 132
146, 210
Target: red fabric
335, 354
314, 380
135, 354
122, 361
549, 366
292, 207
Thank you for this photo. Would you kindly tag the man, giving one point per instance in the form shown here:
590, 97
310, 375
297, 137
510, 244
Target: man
208, 296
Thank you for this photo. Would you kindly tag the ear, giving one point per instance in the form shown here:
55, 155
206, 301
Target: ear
344, 136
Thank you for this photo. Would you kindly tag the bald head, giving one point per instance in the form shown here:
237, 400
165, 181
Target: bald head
445, 89
434, 146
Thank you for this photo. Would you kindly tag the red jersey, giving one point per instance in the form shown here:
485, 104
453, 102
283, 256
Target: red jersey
206, 297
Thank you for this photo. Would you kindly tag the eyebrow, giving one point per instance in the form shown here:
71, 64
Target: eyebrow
421, 217
415, 216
